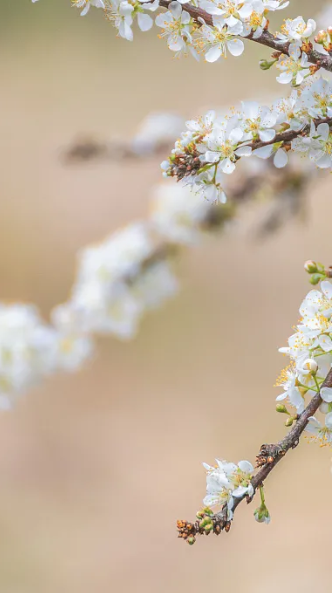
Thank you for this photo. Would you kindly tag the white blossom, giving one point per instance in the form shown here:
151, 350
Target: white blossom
292, 68
226, 481
216, 40
296, 31
310, 351
316, 99
178, 212
85, 5
232, 11
223, 146
289, 111
317, 146
257, 122
176, 26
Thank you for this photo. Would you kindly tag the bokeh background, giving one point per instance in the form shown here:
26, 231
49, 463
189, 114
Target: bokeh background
95, 468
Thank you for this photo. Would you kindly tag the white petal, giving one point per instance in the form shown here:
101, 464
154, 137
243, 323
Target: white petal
323, 130
280, 158
213, 54
235, 135
325, 342
250, 109
281, 397
125, 31
328, 420
145, 21
326, 394
246, 467
285, 77
85, 10
326, 287
264, 152
175, 43
175, 9
244, 151
227, 166
324, 162
266, 135
236, 47
239, 492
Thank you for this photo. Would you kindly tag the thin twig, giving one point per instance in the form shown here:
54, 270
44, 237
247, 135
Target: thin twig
269, 457
291, 440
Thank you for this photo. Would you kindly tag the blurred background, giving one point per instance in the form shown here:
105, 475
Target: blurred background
95, 468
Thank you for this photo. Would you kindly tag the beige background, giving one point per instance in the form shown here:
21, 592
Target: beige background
96, 468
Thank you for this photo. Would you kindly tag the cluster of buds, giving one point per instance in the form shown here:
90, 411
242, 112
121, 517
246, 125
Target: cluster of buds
318, 271
268, 454
205, 524
184, 163
281, 408
324, 38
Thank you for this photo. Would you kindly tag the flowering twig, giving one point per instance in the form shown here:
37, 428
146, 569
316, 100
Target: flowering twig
289, 135
266, 38
268, 458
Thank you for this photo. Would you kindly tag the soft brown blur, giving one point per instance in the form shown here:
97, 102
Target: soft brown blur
95, 468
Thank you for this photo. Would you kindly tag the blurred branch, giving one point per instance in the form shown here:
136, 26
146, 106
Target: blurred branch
88, 149
269, 456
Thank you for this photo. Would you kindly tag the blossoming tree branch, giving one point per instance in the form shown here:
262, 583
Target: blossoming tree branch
131, 271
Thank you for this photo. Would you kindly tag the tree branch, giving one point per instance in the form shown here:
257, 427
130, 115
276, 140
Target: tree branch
290, 135
268, 458
266, 38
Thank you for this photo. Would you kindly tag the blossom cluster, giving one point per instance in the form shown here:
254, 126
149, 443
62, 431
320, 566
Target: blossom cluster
230, 19
226, 22
118, 280
30, 349
211, 145
226, 482
310, 352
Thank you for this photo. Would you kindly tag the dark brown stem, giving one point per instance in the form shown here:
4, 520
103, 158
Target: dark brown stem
266, 38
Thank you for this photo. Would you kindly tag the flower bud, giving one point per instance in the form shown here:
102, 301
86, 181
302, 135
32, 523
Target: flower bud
310, 266
289, 422
315, 278
261, 514
205, 522
191, 540
320, 37
310, 365
265, 65
281, 408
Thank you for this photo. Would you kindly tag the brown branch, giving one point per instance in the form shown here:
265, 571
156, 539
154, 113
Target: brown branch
269, 457
290, 135
189, 163
291, 440
266, 38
